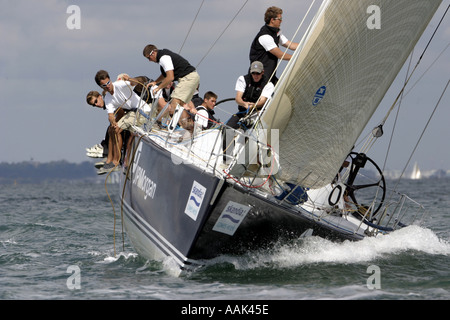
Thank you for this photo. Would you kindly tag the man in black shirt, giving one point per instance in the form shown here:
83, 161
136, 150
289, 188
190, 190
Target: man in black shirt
175, 68
252, 92
265, 48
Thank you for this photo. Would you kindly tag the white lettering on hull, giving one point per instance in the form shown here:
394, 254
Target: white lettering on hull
140, 178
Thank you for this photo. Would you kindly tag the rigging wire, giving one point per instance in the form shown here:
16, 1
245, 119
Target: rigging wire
215, 42
106, 179
116, 141
193, 22
130, 163
425, 128
417, 64
402, 94
428, 69
371, 140
397, 115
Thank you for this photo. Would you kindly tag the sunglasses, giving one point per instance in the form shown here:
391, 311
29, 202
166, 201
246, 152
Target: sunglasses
106, 84
151, 52
95, 103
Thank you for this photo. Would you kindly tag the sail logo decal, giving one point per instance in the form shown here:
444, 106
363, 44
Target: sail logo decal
320, 94
195, 200
231, 218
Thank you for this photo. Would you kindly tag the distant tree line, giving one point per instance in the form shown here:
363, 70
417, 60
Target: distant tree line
31, 171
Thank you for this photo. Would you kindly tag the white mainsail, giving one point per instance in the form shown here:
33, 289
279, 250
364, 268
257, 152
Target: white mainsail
336, 79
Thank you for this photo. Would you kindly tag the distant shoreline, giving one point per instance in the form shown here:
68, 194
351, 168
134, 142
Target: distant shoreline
33, 172
36, 172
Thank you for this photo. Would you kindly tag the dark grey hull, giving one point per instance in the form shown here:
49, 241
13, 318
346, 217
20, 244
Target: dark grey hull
178, 211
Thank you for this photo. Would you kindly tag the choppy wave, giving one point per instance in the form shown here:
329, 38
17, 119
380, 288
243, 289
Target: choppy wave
46, 229
318, 250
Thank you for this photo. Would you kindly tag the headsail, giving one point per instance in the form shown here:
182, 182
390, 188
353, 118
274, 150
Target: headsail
336, 80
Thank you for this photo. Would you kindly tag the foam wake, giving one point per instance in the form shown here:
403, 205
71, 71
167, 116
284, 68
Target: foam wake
318, 250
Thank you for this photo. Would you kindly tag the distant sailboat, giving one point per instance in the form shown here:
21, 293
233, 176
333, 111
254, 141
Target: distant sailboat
416, 174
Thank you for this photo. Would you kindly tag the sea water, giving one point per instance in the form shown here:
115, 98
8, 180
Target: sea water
64, 240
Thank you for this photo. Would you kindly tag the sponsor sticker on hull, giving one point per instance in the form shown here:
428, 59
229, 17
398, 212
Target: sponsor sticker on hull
195, 200
231, 218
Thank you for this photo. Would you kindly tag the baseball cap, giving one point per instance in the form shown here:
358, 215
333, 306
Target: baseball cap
256, 66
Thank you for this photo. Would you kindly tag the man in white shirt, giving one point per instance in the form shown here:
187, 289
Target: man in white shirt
205, 118
120, 94
265, 48
252, 92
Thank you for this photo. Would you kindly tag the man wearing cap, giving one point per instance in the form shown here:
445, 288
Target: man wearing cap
252, 92
265, 48
175, 68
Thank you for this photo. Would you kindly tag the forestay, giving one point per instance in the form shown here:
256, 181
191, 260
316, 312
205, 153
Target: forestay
336, 79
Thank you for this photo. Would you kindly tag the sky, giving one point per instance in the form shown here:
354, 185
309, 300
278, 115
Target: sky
49, 57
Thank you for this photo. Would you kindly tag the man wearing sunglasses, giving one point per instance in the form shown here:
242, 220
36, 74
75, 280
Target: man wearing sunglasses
120, 95
265, 48
175, 68
95, 99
